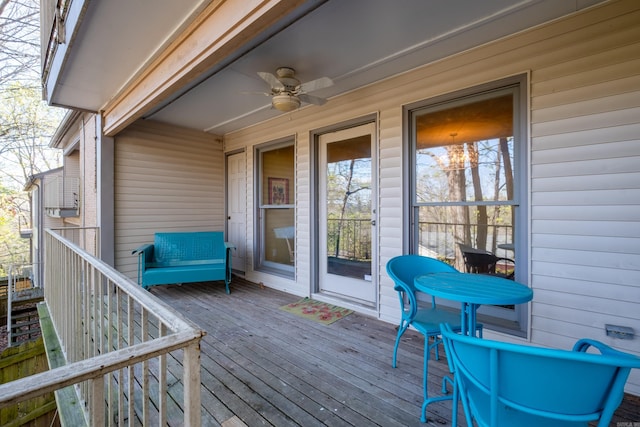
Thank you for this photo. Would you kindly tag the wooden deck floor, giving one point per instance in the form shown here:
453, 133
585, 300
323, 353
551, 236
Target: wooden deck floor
264, 366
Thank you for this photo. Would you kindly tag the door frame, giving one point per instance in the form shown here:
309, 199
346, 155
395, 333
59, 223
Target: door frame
314, 142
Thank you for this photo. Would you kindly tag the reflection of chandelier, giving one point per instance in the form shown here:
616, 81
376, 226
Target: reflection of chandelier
455, 153
458, 155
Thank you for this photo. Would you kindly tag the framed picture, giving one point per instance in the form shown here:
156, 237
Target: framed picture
278, 191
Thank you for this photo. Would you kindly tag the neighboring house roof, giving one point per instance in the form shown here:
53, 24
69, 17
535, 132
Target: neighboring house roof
63, 128
31, 181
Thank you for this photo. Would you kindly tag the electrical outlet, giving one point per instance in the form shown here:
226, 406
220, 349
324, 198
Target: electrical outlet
621, 332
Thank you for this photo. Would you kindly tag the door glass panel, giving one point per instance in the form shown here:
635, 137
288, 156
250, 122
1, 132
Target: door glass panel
348, 198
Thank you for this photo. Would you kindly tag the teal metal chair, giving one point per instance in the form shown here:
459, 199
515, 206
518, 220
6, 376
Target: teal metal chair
503, 384
403, 269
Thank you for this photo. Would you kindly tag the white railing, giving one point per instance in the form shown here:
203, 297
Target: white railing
87, 238
123, 347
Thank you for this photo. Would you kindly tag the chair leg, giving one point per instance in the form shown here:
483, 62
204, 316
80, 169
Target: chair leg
425, 369
436, 343
454, 405
425, 375
403, 327
446, 380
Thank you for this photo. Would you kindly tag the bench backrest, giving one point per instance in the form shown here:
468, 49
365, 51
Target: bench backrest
188, 246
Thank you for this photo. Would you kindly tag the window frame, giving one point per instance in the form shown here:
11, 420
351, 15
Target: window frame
260, 261
519, 85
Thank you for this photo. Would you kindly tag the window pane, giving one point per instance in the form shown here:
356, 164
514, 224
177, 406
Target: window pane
465, 153
279, 236
276, 213
442, 228
277, 176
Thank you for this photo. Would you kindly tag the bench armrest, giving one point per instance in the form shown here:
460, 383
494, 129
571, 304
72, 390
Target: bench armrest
145, 257
143, 249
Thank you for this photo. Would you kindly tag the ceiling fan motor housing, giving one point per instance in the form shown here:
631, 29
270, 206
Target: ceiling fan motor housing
286, 76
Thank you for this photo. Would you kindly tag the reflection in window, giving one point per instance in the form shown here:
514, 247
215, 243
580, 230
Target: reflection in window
468, 180
276, 215
464, 178
349, 209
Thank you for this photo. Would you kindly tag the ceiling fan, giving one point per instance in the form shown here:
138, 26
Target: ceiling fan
287, 92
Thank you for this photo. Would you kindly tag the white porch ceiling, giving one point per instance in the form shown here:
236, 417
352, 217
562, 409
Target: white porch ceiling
354, 42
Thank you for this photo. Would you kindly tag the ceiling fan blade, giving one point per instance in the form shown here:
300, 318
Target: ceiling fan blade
271, 79
245, 92
310, 99
316, 84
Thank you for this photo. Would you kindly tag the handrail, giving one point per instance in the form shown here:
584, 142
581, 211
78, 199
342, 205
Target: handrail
55, 379
117, 340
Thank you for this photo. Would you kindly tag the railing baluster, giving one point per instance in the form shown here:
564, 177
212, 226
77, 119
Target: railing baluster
145, 371
130, 337
162, 379
121, 344
110, 346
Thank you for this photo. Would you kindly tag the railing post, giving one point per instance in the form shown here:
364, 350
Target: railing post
97, 412
191, 379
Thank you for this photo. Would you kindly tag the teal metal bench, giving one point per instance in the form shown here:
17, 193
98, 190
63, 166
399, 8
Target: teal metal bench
184, 257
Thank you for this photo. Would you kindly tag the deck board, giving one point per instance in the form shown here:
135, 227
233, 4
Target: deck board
264, 366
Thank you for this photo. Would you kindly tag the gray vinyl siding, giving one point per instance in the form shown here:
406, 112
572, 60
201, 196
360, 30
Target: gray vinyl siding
583, 177
166, 179
585, 186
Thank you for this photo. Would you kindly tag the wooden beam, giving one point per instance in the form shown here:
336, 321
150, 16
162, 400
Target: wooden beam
221, 29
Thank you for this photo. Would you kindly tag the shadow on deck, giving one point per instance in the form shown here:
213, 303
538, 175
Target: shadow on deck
264, 366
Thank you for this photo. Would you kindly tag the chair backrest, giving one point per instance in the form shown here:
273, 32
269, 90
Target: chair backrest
404, 268
510, 384
477, 260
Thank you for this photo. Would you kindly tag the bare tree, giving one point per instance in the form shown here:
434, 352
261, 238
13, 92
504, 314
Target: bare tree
26, 123
351, 187
19, 41
26, 127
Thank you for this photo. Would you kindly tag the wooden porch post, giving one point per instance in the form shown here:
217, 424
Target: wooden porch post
191, 379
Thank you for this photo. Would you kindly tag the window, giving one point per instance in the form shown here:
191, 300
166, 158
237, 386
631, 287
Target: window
276, 219
466, 171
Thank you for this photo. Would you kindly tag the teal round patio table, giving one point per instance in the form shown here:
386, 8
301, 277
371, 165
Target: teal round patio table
472, 291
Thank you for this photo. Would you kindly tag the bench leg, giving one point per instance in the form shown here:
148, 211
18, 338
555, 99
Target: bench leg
227, 278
